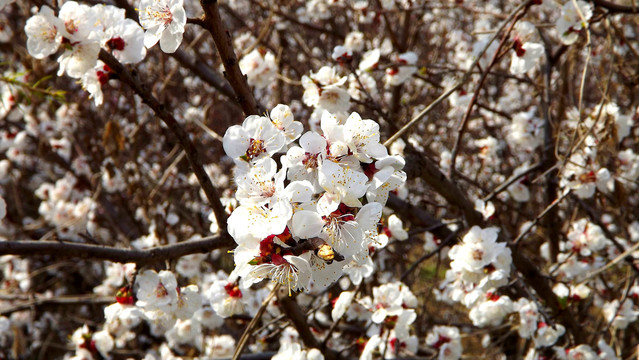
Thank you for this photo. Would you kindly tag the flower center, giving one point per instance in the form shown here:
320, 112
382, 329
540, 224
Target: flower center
160, 13
71, 26
256, 147
478, 254
310, 161
160, 291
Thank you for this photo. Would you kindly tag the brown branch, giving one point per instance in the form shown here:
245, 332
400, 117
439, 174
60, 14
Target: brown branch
60, 300
550, 225
294, 313
87, 251
192, 154
205, 73
513, 178
616, 8
389, 29
418, 165
222, 37
196, 21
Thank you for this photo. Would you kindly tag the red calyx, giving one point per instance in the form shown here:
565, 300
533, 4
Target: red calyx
489, 268
361, 344
103, 77
391, 321
369, 170
89, 344
116, 43
344, 59
278, 260
394, 342
125, 296
518, 46
233, 290
441, 341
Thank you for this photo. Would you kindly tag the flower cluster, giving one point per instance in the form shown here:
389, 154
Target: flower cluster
587, 170
307, 208
388, 316
325, 90
526, 53
574, 15
184, 316
447, 341
305, 219
394, 312
71, 211
79, 32
479, 266
259, 67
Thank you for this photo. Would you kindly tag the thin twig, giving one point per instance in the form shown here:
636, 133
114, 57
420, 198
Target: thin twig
167, 173
462, 126
616, 8
510, 181
294, 313
597, 220
539, 217
459, 84
249, 329
451, 239
204, 72
622, 256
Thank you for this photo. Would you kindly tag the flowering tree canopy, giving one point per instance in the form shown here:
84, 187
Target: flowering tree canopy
319, 179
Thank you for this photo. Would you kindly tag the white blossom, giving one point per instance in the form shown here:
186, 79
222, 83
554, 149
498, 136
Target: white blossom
164, 21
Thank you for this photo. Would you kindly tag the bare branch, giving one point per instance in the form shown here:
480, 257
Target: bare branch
617, 8
289, 306
192, 154
205, 73
213, 23
60, 300
87, 251
464, 122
